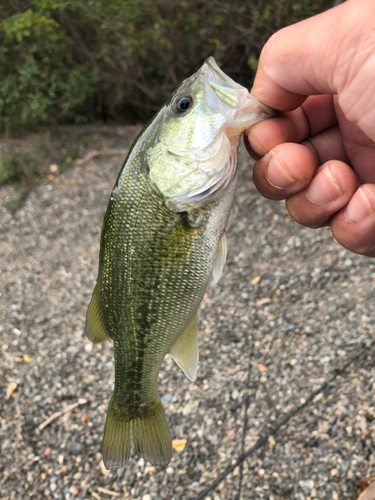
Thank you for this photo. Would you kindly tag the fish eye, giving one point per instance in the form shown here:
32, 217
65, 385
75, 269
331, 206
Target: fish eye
182, 103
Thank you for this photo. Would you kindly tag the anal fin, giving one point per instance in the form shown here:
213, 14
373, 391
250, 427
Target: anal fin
220, 258
95, 329
185, 350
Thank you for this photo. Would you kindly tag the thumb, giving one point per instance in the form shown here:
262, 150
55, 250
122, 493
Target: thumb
331, 53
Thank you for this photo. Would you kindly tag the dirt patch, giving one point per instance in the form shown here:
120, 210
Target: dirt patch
34, 158
291, 308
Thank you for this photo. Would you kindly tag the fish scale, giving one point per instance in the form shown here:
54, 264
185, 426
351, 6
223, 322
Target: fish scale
162, 239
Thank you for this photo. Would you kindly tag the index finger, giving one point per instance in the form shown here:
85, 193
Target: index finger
316, 115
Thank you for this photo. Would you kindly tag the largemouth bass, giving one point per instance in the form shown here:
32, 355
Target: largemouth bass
163, 237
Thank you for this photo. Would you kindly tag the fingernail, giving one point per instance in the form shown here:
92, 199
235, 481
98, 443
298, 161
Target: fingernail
276, 175
255, 146
250, 145
359, 207
323, 188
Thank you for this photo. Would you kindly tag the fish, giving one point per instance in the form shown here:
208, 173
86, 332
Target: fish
163, 238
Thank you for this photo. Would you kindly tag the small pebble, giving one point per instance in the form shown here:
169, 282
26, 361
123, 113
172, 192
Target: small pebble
314, 314
76, 448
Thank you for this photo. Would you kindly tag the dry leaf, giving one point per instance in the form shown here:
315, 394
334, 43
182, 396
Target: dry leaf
362, 484
262, 368
368, 493
261, 302
84, 418
179, 444
12, 386
255, 281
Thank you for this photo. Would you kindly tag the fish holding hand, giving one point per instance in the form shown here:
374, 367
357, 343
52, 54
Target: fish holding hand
163, 237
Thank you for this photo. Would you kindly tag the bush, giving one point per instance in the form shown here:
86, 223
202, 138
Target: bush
73, 60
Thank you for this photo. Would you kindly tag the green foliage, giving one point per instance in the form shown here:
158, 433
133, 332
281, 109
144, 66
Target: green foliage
16, 166
252, 62
17, 200
20, 168
81, 60
42, 81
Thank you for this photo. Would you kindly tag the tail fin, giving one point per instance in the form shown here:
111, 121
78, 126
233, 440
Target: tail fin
149, 431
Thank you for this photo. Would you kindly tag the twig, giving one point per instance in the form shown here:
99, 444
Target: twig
92, 154
108, 492
60, 413
284, 421
101, 20
250, 349
66, 20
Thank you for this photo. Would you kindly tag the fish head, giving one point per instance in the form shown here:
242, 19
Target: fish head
194, 153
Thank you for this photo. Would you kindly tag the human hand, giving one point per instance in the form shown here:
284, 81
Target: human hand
321, 74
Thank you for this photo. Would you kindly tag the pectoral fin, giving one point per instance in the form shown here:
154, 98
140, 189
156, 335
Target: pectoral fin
220, 258
185, 350
95, 329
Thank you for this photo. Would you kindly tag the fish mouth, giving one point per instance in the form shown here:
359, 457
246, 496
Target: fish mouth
211, 72
246, 107
227, 90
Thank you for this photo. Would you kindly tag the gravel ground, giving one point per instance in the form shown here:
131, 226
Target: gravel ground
290, 310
